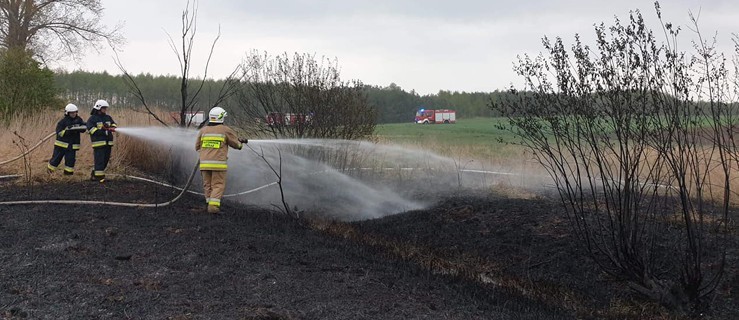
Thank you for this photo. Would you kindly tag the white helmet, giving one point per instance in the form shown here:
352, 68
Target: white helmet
217, 115
100, 104
70, 108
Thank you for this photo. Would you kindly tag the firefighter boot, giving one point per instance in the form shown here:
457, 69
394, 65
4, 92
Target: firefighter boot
213, 209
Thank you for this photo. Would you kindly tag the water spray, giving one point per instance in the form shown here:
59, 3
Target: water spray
309, 180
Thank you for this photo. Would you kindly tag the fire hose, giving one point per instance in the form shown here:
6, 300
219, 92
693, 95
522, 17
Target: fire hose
29, 150
190, 191
119, 204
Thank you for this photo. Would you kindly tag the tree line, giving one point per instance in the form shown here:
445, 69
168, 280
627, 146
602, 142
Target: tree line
393, 103
161, 91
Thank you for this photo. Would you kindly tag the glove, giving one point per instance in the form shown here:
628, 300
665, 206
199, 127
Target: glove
111, 129
244, 140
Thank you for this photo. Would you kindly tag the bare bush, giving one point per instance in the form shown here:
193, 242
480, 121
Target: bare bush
302, 96
23, 146
631, 131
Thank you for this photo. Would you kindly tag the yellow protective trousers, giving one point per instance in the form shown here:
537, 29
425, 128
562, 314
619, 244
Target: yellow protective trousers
214, 184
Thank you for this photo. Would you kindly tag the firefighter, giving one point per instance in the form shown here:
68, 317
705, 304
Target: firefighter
101, 127
212, 144
67, 142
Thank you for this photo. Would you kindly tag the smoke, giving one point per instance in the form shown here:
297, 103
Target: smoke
344, 180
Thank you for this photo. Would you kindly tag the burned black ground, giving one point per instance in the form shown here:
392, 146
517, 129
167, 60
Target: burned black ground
104, 262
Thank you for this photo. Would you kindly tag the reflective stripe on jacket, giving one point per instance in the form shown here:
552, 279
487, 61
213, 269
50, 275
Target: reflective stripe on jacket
66, 138
96, 125
212, 143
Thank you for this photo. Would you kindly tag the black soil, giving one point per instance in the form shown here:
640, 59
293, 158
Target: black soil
468, 257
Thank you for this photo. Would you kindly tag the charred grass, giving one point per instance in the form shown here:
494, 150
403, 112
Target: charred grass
469, 256
248, 263
518, 251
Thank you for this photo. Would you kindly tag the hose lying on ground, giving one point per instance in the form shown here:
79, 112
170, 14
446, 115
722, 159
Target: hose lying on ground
194, 192
119, 204
29, 150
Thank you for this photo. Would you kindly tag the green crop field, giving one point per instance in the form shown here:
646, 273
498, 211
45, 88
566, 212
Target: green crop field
478, 137
476, 131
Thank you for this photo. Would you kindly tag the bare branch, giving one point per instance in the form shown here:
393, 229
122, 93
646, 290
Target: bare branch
44, 26
136, 91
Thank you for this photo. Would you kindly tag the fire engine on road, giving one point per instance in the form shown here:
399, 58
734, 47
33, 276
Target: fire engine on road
424, 116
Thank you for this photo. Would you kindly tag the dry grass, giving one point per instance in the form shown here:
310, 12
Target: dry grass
497, 157
518, 159
708, 166
24, 132
493, 153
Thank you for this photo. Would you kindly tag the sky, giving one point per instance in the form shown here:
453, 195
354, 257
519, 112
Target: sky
426, 46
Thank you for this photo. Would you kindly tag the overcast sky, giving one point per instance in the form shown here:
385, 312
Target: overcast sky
427, 46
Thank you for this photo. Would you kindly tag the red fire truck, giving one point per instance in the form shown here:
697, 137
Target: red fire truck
424, 116
286, 119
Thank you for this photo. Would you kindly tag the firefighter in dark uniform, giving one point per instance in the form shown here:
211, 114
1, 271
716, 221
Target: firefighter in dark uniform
67, 140
101, 127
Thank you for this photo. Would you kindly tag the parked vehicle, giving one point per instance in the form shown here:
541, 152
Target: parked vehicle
286, 119
432, 116
193, 119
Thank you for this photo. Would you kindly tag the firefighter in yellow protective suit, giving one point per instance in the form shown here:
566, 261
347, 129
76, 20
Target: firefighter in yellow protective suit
212, 144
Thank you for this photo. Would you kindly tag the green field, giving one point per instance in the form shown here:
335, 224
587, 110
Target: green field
475, 131
476, 137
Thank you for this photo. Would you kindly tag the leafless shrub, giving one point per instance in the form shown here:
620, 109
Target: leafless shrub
629, 130
22, 145
278, 173
302, 96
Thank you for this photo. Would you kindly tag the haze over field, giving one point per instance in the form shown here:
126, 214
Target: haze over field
467, 45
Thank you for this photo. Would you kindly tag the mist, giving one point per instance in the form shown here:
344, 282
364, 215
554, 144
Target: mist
338, 179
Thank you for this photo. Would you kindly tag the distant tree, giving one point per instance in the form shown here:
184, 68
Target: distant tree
24, 85
305, 97
189, 92
393, 103
396, 105
643, 168
53, 28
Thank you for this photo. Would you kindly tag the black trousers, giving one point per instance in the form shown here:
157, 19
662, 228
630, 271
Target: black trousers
102, 156
69, 155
